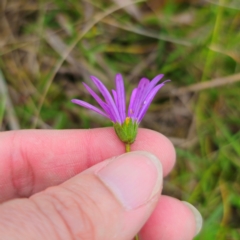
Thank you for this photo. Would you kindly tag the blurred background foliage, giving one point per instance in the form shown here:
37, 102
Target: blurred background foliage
49, 47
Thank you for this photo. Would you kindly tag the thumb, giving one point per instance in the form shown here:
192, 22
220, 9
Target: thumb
111, 200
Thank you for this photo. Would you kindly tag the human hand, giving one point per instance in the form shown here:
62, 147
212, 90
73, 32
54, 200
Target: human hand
59, 185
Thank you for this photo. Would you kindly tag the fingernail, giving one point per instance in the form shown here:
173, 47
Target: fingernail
197, 215
134, 178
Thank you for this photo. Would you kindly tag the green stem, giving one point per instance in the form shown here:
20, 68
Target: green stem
128, 147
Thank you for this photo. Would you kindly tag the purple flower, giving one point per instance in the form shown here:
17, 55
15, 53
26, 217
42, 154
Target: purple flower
114, 106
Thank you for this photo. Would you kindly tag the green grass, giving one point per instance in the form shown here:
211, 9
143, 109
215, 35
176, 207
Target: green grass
188, 42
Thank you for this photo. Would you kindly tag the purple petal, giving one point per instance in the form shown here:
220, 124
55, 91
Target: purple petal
109, 100
121, 102
115, 96
144, 82
108, 111
95, 96
100, 102
89, 106
132, 98
154, 82
115, 99
148, 101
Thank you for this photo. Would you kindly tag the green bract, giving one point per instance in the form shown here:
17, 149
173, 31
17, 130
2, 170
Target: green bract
127, 131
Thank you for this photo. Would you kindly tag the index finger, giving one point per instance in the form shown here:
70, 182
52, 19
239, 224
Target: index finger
32, 160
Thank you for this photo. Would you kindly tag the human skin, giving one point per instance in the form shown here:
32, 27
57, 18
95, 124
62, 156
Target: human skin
61, 184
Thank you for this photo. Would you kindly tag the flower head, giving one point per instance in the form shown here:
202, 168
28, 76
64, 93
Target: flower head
113, 106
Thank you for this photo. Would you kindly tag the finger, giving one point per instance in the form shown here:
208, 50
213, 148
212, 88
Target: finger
172, 220
32, 160
111, 200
